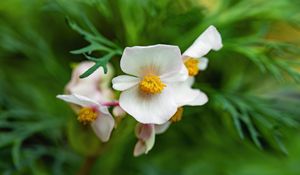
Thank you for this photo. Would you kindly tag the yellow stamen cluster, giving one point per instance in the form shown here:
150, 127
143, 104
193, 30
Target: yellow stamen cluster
87, 115
178, 115
151, 84
192, 66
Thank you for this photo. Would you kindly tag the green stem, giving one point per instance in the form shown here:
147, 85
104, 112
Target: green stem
87, 165
89, 161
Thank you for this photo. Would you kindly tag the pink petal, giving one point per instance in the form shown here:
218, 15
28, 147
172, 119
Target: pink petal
139, 149
144, 131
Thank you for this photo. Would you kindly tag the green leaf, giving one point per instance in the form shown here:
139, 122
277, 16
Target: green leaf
96, 37
277, 137
16, 153
97, 43
90, 48
253, 132
99, 62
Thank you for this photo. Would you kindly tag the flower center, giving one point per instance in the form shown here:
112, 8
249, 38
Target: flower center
151, 84
192, 66
87, 115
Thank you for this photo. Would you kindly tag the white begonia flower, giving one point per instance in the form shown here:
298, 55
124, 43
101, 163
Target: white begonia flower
194, 61
148, 92
185, 95
193, 58
146, 136
93, 113
95, 86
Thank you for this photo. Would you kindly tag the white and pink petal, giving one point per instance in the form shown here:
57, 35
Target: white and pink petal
154, 109
78, 100
210, 39
172, 77
124, 82
103, 126
159, 129
203, 62
146, 135
185, 95
158, 59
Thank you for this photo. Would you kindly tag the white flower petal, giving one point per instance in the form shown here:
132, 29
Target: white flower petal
203, 62
89, 91
146, 133
190, 81
150, 142
159, 129
106, 78
155, 109
209, 39
103, 126
185, 95
96, 86
158, 59
103, 110
124, 82
182, 75
92, 80
78, 100
140, 148
200, 100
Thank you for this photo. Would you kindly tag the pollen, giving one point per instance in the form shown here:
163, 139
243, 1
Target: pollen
192, 66
151, 84
177, 116
87, 115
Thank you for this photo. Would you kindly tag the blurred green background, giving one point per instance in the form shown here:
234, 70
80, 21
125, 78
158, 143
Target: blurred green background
249, 127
